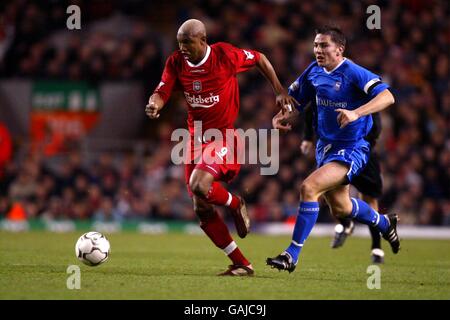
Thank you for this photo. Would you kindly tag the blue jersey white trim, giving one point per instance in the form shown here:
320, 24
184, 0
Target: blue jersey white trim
328, 72
348, 86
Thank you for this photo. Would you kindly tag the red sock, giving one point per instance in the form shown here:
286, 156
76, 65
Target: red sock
238, 258
218, 232
218, 195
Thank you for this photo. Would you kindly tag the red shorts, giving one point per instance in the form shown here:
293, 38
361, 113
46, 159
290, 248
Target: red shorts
216, 159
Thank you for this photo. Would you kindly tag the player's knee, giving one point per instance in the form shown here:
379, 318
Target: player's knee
199, 187
308, 191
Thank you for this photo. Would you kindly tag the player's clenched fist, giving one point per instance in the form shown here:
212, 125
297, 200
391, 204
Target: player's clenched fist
151, 109
346, 116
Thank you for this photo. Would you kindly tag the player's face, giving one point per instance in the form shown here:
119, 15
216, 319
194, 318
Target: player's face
192, 47
328, 53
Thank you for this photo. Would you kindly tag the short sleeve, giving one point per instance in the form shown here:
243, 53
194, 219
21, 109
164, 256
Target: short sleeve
242, 59
302, 90
168, 79
367, 81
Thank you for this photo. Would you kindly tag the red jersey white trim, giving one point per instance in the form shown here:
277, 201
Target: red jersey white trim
208, 52
210, 87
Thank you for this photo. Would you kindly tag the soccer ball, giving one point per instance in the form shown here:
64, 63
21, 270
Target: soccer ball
92, 248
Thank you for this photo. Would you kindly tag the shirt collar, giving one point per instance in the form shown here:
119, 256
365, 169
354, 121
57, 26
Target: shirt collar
340, 63
208, 52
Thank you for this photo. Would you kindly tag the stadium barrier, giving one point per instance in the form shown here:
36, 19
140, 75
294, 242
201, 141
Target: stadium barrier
161, 227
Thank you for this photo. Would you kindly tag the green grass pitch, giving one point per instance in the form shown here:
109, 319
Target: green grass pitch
177, 266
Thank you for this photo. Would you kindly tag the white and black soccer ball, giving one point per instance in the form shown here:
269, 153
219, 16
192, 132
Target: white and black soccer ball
92, 248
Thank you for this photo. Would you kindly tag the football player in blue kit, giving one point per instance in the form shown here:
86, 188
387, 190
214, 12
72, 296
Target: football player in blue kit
345, 94
369, 182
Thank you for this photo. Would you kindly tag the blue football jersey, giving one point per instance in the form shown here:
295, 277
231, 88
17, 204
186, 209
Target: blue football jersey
348, 86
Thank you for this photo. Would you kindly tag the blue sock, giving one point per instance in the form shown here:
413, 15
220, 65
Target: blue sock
363, 213
307, 217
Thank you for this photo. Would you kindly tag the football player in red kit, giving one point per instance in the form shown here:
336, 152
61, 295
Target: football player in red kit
207, 76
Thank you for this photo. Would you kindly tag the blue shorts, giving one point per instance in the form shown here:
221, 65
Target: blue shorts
355, 155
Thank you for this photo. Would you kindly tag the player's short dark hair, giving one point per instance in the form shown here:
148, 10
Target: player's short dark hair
336, 34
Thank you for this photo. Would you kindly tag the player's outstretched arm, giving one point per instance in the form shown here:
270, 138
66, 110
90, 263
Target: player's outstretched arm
284, 101
381, 101
155, 104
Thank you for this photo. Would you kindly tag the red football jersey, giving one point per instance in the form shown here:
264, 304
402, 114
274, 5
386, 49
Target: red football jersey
210, 87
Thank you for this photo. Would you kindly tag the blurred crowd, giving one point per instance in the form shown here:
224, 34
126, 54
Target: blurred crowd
410, 52
109, 46
108, 188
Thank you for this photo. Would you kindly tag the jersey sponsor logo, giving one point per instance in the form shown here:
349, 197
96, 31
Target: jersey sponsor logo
331, 103
197, 101
249, 55
197, 86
